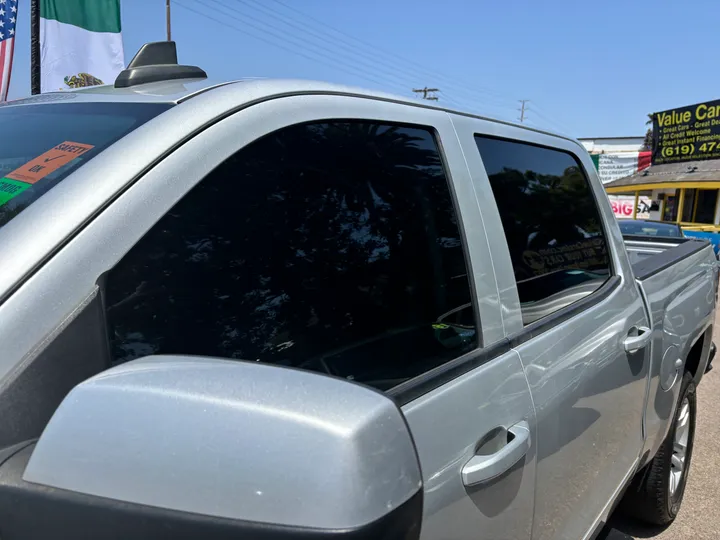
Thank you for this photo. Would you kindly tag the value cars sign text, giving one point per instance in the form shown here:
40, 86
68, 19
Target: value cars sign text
687, 134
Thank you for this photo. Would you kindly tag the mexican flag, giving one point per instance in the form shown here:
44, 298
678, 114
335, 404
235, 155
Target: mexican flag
80, 43
619, 165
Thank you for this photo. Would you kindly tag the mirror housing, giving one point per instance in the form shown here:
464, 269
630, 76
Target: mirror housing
189, 447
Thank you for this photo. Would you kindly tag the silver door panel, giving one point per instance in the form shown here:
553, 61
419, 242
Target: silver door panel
447, 425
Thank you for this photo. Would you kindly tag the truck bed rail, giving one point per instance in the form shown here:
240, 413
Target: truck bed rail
650, 255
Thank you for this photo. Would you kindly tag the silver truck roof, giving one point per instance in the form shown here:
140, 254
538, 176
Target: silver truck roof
200, 102
158, 92
177, 91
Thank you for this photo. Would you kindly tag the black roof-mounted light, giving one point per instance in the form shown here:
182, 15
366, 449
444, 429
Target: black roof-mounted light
156, 62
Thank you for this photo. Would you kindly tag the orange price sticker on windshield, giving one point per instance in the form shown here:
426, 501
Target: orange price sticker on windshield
48, 162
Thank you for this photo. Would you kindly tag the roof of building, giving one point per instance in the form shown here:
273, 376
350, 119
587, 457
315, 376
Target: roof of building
610, 138
704, 173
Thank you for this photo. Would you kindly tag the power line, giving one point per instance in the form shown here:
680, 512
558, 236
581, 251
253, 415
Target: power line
392, 70
454, 102
302, 47
295, 51
554, 123
393, 66
314, 48
326, 52
472, 91
358, 61
473, 88
365, 58
333, 63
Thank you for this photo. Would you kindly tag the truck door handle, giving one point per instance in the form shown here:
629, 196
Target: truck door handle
482, 468
634, 343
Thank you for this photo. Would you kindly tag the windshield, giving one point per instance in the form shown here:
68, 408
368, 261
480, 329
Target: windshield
646, 228
45, 143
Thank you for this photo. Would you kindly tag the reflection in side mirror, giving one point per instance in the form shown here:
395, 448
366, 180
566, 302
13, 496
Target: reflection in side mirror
183, 447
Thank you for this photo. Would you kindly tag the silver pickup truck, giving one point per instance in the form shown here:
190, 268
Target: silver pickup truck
292, 310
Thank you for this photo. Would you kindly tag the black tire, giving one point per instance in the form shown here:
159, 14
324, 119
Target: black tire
648, 497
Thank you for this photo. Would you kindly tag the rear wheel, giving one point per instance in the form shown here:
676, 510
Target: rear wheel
657, 491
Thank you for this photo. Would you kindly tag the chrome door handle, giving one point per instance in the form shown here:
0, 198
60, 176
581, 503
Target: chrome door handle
635, 343
483, 468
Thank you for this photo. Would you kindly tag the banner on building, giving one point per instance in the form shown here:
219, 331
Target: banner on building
622, 206
80, 43
619, 165
687, 134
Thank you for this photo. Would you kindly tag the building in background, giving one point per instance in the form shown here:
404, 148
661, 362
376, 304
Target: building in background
618, 157
683, 179
612, 145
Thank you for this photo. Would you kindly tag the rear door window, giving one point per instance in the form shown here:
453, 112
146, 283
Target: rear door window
46, 142
551, 222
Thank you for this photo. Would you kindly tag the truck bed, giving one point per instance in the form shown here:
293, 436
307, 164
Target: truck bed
650, 255
677, 278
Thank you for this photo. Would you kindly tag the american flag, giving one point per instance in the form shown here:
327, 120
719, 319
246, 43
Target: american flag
8, 19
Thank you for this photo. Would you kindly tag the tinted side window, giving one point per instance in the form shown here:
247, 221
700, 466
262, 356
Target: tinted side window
332, 247
551, 222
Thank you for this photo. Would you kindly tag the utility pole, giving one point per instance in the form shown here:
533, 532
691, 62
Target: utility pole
425, 91
522, 109
167, 19
35, 47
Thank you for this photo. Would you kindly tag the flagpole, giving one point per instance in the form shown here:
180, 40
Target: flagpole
35, 46
167, 19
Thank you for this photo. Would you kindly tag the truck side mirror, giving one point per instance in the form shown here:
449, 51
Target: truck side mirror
187, 447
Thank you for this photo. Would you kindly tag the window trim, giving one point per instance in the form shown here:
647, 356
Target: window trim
562, 315
445, 373
470, 273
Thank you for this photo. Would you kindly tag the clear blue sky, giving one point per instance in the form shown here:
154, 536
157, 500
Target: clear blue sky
589, 69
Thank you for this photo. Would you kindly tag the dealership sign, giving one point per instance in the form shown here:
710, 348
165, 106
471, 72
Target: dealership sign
687, 134
619, 165
622, 206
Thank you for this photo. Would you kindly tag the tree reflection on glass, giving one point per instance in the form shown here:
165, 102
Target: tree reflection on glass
551, 222
330, 246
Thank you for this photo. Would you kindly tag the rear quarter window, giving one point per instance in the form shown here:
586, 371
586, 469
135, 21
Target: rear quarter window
551, 222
